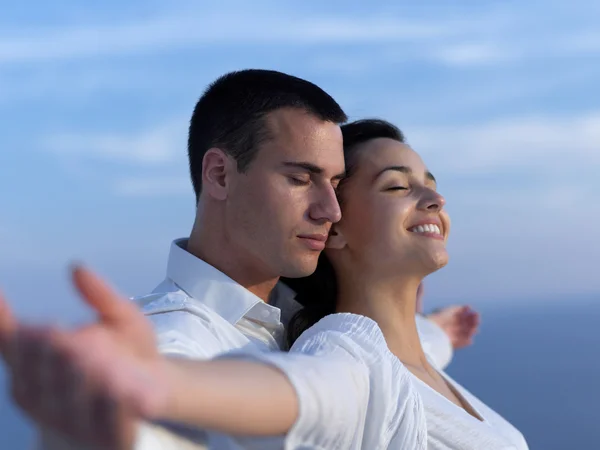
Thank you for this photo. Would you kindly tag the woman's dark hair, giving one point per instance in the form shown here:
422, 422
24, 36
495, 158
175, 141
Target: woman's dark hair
317, 293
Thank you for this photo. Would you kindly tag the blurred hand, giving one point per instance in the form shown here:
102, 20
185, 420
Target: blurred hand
460, 323
91, 384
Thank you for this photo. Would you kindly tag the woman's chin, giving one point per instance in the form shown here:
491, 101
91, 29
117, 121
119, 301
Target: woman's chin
419, 266
436, 261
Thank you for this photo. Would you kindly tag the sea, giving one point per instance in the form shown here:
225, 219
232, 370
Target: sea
537, 363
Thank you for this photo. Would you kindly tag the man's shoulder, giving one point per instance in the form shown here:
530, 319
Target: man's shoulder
168, 298
161, 302
186, 326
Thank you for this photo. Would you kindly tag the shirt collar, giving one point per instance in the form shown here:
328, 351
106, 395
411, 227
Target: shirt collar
208, 285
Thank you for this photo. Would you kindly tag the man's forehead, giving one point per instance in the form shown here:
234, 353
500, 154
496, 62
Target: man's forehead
289, 122
299, 136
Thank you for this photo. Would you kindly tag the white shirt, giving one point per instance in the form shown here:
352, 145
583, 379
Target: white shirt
199, 312
346, 378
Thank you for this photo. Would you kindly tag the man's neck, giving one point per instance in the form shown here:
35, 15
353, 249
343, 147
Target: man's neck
217, 254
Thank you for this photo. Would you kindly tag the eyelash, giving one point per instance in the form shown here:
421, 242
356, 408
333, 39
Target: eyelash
397, 188
298, 182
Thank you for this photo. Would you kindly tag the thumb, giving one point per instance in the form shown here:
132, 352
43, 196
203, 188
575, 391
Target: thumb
108, 304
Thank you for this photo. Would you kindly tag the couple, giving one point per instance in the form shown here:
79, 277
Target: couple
269, 164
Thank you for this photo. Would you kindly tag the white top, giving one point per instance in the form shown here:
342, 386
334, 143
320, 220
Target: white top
355, 394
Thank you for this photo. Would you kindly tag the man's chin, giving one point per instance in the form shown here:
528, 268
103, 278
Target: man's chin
302, 269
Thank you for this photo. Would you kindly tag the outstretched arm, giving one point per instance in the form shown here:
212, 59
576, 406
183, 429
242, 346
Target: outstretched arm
94, 383
234, 397
82, 382
460, 323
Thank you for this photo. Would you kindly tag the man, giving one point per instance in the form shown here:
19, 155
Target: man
265, 156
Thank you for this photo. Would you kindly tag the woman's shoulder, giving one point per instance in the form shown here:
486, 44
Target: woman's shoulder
353, 334
360, 330
349, 324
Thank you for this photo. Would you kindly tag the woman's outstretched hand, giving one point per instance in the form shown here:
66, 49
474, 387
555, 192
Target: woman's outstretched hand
460, 323
93, 383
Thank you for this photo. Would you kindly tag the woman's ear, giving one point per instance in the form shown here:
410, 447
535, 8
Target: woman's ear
336, 238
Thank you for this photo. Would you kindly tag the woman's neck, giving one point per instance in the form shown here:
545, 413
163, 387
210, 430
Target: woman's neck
391, 302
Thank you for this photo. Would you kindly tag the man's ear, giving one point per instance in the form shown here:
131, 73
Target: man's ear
216, 169
336, 238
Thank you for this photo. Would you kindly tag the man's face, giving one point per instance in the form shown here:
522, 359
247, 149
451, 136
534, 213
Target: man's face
279, 212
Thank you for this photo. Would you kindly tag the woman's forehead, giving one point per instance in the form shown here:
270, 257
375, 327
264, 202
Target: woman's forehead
380, 153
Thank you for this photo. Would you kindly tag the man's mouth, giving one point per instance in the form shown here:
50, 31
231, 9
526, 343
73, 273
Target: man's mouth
314, 241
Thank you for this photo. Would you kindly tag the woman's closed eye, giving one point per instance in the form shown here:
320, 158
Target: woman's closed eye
397, 188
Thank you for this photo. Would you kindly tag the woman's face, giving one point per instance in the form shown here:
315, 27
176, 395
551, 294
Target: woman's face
392, 215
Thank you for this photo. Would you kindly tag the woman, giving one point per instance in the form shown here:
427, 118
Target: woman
392, 234
356, 376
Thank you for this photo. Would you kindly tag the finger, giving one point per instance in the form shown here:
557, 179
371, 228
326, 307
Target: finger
473, 321
8, 325
110, 306
464, 311
58, 375
467, 334
110, 418
474, 316
71, 387
26, 355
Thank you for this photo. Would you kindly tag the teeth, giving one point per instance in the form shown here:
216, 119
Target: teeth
428, 228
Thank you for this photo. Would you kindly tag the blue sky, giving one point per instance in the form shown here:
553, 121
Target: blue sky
496, 96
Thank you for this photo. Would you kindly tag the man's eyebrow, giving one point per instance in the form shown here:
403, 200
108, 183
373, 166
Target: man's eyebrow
311, 168
405, 170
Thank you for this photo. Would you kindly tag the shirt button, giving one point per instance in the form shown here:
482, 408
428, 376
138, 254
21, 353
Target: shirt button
265, 314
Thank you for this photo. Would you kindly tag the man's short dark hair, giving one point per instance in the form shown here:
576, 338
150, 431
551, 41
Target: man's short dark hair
230, 115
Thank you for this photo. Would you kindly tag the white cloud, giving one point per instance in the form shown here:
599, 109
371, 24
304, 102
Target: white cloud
157, 186
542, 144
158, 35
537, 143
582, 42
160, 144
468, 54
492, 35
65, 84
